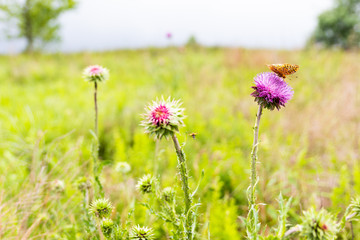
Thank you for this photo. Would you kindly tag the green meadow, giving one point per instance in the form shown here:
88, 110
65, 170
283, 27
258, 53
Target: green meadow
309, 150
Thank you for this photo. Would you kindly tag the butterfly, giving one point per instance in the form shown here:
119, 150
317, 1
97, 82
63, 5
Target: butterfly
283, 69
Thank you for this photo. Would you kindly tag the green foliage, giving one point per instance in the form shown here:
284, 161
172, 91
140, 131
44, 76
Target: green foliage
35, 20
339, 26
353, 211
47, 111
283, 214
224, 208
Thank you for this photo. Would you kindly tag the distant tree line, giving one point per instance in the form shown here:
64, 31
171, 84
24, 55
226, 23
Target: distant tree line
340, 26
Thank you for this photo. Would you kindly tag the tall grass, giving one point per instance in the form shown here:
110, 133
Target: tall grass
310, 150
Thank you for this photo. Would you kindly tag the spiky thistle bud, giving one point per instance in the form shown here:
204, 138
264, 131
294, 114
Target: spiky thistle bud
101, 208
354, 210
146, 184
141, 233
168, 194
122, 167
83, 183
96, 73
320, 225
163, 118
107, 226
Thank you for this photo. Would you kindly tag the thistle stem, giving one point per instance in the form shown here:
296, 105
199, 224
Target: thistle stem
185, 183
96, 150
253, 176
96, 110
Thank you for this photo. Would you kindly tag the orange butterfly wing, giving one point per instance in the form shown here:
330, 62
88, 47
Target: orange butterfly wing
283, 69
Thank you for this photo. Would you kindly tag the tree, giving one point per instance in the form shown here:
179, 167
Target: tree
339, 26
34, 20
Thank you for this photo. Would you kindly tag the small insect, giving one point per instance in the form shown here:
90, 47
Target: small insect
283, 69
193, 135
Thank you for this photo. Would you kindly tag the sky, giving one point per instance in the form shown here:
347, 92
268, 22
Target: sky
113, 24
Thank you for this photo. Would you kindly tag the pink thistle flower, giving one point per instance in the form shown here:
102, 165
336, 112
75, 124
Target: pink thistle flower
160, 115
96, 73
163, 118
168, 35
271, 91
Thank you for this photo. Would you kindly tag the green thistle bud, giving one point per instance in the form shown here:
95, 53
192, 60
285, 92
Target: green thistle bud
123, 167
107, 227
163, 118
101, 208
354, 210
141, 233
168, 194
83, 184
146, 184
319, 225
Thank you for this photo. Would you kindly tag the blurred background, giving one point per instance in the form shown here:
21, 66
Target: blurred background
203, 52
113, 24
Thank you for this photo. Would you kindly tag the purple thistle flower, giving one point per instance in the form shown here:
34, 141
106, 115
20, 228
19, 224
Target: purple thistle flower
271, 91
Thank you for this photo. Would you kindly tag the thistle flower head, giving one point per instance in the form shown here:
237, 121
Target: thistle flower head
83, 184
141, 233
271, 91
354, 210
101, 208
123, 167
107, 226
96, 73
58, 186
319, 225
146, 184
168, 194
163, 118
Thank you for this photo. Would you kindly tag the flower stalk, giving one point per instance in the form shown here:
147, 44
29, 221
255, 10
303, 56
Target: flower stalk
96, 74
184, 185
270, 92
163, 119
96, 109
253, 177
183, 173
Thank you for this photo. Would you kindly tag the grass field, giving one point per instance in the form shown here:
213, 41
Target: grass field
309, 150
